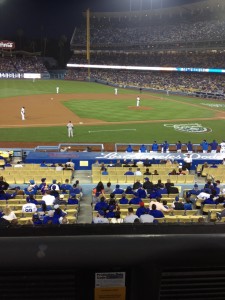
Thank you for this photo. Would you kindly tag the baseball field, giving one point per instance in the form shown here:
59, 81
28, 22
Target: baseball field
99, 116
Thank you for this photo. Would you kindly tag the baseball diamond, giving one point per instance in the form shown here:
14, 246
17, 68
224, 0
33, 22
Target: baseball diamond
92, 107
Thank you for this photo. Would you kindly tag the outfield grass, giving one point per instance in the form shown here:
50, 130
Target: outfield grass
161, 107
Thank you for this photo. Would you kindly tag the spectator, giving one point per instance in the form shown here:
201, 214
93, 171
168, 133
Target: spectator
131, 217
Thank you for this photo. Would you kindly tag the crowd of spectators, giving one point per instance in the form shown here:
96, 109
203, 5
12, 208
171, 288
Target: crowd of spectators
22, 65
137, 31
172, 81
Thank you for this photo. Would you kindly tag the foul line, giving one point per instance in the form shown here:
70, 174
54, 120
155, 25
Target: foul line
113, 130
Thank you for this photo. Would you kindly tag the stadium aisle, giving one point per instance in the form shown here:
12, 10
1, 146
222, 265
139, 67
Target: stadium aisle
85, 212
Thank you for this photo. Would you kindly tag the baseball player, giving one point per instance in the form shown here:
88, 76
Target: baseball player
23, 113
138, 101
57, 90
116, 91
70, 129
222, 147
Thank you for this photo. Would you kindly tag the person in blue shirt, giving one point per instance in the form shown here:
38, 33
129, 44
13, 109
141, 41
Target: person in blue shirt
155, 147
123, 199
214, 146
72, 199
102, 205
142, 209
129, 190
194, 191
154, 194
57, 214
111, 212
118, 190
142, 149
36, 220
209, 200
66, 186
129, 172
204, 146
178, 146
42, 184
189, 147
165, 147
75, 190
141, 192
188, 204
129, 149
105, 172
155, 212
47, 220
6, 196
135, 200
31, 199
43, 165
162, 190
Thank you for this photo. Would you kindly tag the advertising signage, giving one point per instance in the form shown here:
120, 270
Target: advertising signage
7, 45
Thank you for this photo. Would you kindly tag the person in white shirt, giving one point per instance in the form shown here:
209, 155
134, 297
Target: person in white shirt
59, 167
100, 218
9, 215
49, 199
188, 161
18, 165
131, 216
70, 165
57, 90
146, 218
203, 196
159, 205
138, 172
29, 207
23, 113
70, 129
140, 163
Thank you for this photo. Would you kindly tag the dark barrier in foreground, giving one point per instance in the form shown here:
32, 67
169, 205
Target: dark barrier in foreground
166, 261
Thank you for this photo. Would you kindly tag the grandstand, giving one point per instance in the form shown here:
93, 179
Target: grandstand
168, 259
189, 36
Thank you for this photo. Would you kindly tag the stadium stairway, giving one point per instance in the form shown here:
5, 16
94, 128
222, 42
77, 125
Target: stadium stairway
85, 212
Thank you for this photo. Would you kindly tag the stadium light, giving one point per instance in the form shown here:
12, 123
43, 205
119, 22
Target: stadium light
140, 68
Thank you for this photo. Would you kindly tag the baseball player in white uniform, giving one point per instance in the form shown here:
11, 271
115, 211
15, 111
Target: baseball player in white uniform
57, 90
138, 101
70, 129
23, 113
222, 147
116, 91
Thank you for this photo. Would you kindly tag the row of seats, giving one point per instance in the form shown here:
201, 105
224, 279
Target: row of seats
26, 218
142, 168
182, 179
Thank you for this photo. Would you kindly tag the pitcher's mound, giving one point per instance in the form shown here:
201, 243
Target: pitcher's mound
140, 107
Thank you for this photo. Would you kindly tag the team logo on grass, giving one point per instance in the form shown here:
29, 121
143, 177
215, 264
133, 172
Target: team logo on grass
213, 105
190, 127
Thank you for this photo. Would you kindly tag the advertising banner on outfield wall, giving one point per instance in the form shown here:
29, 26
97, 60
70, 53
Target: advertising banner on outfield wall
7, 45
20, 75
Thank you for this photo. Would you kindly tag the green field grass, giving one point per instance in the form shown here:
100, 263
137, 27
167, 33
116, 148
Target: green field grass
116, 109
